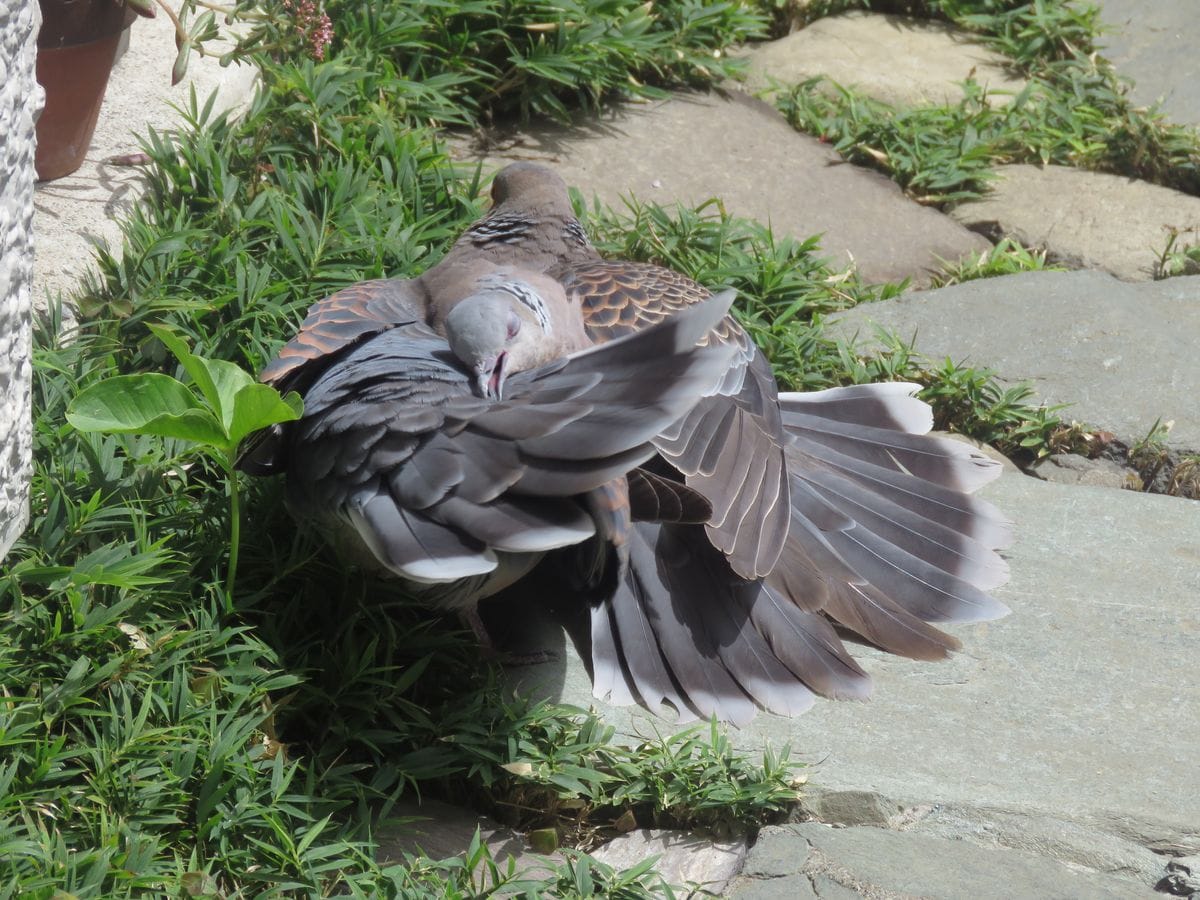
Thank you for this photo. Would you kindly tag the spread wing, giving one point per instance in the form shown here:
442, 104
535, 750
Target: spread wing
885, 539
435, 480
730, 446
683, 628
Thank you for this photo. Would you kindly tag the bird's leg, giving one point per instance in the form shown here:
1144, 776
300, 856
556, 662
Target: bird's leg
492, 649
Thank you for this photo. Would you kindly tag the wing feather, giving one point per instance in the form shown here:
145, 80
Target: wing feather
739, 418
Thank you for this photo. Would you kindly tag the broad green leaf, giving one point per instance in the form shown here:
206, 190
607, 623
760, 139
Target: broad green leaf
259, 406
149, 403
219, 381
230, 380
188, 360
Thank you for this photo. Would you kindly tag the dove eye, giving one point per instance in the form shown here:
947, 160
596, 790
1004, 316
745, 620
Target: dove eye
514, 325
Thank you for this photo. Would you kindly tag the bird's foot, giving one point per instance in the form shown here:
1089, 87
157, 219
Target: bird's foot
507, 656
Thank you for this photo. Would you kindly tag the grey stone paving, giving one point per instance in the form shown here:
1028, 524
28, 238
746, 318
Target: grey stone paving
1070, 843
863, 861
899, 60
1076, 707
1154, 42
1122, 354
682, 858
1087, 220
1073, 468
694, 147
439, 830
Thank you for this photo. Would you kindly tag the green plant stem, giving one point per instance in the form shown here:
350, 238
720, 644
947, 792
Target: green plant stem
235, 531
175, 20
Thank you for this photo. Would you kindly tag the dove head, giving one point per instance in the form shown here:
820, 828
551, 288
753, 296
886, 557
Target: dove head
531, 186
504, 328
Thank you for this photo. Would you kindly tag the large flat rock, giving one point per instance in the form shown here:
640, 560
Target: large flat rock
693, 147
439, 830
1154, 42
682, 858
1123, 355
810, 860
1081, 705
899, 60
1087, 220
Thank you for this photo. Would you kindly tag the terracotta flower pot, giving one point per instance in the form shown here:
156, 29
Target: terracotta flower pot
76, 48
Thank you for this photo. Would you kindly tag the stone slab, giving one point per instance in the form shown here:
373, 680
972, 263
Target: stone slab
693, 147
1086, 220
873, 862
1183, 876
1071, 468
1045, 836
683, 859
819, 804
73, 214
1154, 42
899, 60
1081, 705
1123, 355
440, 830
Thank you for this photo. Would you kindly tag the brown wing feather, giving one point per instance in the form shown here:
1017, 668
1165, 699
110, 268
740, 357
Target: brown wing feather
621, 297
340, 320
730, 446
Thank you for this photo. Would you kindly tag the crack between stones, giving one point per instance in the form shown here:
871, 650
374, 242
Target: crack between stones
818, 863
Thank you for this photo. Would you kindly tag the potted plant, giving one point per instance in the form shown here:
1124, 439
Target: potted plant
77, 47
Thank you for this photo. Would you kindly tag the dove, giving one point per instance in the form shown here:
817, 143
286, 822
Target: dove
720, 566
453, 458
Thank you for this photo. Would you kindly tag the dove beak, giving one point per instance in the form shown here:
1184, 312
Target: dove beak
489, 376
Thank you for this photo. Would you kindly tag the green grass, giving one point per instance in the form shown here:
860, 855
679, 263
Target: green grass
164, 732
1007, 257
1074, 111
943, 155
1180, 254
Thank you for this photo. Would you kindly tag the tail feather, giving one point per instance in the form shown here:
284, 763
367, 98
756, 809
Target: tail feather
975, 518
936, 460
611, 680
954, 552
869, 613
685, 629
883, 539
891, 405
655, 498
922, 588
807, 644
